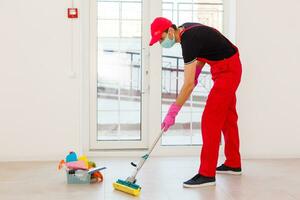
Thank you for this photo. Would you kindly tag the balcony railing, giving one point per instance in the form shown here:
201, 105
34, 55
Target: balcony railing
133, 91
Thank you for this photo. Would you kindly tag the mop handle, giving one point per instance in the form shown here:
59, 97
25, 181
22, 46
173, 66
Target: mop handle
145, 157
155, 142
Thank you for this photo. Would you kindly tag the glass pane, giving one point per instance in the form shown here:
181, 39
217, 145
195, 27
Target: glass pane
131, 10
167, 6
187, 130
131, 28
119, 71
211, 15
108, 28
108, 10
185, 16
185, 6
168, 14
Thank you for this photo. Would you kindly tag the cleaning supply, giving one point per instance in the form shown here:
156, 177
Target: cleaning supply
91, 164
91, 171
61, 164
82, 176
85, 160
71, 157
97, 177
80, 170
129, 185
80, 164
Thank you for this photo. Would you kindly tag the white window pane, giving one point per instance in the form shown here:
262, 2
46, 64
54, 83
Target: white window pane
108, 28
185, 16
131, 10
131, 28
167, 6
168, 15
106, 104
111, 117
207, 1
130, 117
119, 70
108, 10
185, 7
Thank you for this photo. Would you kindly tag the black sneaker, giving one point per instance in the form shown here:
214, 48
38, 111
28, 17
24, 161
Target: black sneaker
223, 169
199, 181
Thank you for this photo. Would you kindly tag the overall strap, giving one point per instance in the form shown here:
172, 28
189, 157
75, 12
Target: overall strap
188, 28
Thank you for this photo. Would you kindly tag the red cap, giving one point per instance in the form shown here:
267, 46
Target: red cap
158, 26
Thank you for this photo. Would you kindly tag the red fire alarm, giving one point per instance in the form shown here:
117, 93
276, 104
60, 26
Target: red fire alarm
72, 13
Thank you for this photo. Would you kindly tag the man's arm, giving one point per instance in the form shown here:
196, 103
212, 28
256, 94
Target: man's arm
189, 81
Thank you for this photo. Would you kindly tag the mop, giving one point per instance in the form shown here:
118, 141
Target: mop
129, 185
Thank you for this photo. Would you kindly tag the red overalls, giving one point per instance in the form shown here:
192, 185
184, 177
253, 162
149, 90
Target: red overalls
220, 113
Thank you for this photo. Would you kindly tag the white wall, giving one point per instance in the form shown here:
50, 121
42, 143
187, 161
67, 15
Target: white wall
40, 100
269, 97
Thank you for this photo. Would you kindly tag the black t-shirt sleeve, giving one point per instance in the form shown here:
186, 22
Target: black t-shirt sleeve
189, 53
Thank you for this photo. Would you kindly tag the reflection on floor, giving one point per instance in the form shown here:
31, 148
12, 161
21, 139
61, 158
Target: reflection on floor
161, 179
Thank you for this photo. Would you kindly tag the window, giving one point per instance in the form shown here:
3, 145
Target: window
124, 96
119, 70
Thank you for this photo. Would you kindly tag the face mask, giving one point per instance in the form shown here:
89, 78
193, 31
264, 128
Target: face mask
168, 43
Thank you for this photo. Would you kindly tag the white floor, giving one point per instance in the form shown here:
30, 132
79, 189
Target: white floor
161, 179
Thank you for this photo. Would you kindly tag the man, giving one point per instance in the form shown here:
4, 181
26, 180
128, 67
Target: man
203, 44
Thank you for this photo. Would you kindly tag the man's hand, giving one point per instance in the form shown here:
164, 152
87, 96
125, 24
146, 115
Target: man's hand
191, 73
170, 117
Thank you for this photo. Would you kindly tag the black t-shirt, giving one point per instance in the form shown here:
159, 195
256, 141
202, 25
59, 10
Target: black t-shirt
204, 42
